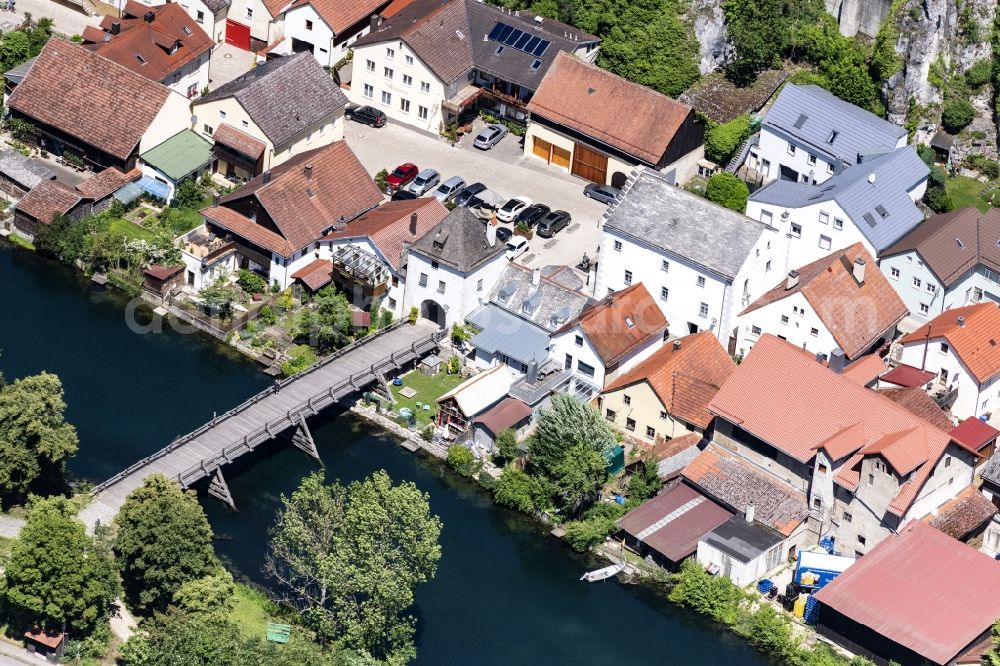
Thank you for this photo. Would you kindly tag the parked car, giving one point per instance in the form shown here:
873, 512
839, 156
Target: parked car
466, 195
512, 208
400, 195
553, 223
401, 175
603, 193
424, 182
449, 189
532, 214
366, 115
516, 246
489, 136
504, 234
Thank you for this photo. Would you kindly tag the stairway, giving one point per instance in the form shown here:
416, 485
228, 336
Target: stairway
740, 155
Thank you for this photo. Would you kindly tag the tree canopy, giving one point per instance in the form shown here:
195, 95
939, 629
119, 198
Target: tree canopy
351, 557
727, 190
163, 541
328, 324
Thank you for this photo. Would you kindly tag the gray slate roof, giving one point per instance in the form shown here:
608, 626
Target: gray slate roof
742, 540
653, 211
283, 96
896, 173
549, 305
215, 5
17, 74
859, 132
991, 471
459, 241
24, 171
501, 331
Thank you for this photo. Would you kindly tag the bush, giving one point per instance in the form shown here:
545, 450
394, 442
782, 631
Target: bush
957, 114
582, 535
714, 596
188, 194
251, 283
984, 165
462, 460
515, 489
767, 630
721, 141
980, 73
299, 358
414, 315
926, 154
267, 317
381, 180
727, 190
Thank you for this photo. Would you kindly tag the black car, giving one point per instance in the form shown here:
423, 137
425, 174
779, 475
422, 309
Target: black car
366, 115
553, 223
504, 234
400, 195
469, 193
532, 214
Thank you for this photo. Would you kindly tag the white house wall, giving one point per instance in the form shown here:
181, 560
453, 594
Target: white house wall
968, 402
192, 78
321, 36
462, 294
173, 116
774, 147
801, 321
952, 474
901, 270
564, 345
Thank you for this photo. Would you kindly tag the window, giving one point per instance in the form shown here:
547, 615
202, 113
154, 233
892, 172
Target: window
825, 242
584, 369
630, 424
784, 319
369, 91
422, 112
404, 105
894, 273
441, 286
755, 330
848, 517
871, 479
425, 87
627, 399
796, 230
249, 12
665, 266
628, 278
947, 461
609, 415
370, 64
930, 287
821, 468
924, 309
309, 24
833, 136
944, 348
423, 279
392, 303
407, 80
824, 218
386, 98
701, 281
650, 432
817, 503
829, 167
479, 285
199, 17
766, 217
387, 72
791, 150
408, 59
663, 415
222, 114
767, 266
861, 540
664, 293
811, 160
208, 129
578, 340
390, 53
838, 223
618, 246
703, 310
916, 283
814, 332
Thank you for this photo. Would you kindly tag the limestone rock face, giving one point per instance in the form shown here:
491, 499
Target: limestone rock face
710, 30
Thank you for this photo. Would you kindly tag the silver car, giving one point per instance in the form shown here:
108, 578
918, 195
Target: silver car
424, 182
449, 189
489, 136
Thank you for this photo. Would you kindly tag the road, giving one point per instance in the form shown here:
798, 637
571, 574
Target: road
503, 169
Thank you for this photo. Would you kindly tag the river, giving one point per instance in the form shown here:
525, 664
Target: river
505, 592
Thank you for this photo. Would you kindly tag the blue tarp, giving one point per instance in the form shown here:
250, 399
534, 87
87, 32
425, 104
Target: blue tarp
154, 187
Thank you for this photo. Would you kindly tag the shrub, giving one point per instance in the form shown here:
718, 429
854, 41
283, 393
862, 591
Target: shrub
582, 535
267, 316
454, 365
767, 630
980, 73
926, 154
381, 180
462, 460
251, 283
460, 334
957, 114
299, 358
515, 489
714, 596
721, 141
414, 315
727, 190
984, 165
189, 193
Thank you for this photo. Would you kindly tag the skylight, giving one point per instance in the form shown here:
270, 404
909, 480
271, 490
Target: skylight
959, 243
870, 219
833, 136
142, 61
801, 121
629, 322
880, 209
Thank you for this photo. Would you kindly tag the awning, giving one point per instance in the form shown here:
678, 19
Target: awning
128, 193
152, 186
503, 332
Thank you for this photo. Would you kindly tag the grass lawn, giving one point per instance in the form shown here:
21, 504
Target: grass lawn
129, 230
180, 220
253, 611
428, 389
965, 191
21, 241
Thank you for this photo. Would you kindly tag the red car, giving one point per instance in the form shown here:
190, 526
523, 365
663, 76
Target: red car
402, 175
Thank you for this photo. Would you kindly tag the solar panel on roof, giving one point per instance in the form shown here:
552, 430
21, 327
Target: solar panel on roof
540, 49
870, 219
495, 32
518, 39
514, 35
532, 43
801, 121
522, 41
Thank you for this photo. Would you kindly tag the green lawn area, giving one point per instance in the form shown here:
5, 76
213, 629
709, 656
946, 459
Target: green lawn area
21, 241
129, 230
253, 611
428, 389
180, 220
965, 191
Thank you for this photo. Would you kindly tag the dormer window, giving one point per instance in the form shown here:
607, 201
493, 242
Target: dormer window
186, 30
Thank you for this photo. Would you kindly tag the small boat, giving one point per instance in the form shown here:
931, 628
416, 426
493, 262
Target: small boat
603, 574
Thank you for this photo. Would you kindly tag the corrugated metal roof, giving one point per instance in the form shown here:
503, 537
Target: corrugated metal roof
674, 521
501, 331
921, 589
180, 155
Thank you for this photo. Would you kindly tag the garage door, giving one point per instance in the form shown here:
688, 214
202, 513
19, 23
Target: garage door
238, 34
590, 164
542, 148
560, 157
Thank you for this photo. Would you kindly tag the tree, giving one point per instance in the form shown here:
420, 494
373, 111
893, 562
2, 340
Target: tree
328, 324
35, 439
579, 476
220, 296
210, 598
851, 83
506, 443
515, 489
189, 193
721, 141
566, 424
645, 482
758, 31
956, 114
727, 190
462, 460
351, 557
163, 541
57, 573
992, 656
980, 73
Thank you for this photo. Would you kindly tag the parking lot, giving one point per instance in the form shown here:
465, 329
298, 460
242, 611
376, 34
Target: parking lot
503, 170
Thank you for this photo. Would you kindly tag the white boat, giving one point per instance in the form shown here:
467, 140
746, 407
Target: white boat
603, 574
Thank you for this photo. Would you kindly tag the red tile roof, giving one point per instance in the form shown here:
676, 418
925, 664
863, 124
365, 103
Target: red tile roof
48, 199
507, 414
962, 515
608, 108
107, 182
89, 98
795, 404
360, 319
621, 323
677, 537
975, 343
341, 14
855, 314
247, 229
921, 589
172, 40
973, 434
907, 376
388, 226
920, 404
317, 274
685, 374
865, 370
239, 141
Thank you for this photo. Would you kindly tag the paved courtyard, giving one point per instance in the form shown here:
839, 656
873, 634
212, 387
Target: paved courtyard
227, 63
503, 169
69, 19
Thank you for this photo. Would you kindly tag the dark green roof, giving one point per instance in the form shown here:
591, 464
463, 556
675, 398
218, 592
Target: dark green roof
180, 155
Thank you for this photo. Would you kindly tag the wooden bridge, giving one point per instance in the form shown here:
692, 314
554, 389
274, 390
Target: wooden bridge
281, 409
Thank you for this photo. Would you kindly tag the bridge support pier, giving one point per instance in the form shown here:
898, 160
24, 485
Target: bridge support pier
303, 440
218, 489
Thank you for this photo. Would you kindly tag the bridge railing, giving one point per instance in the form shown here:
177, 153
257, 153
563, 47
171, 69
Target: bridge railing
250, 402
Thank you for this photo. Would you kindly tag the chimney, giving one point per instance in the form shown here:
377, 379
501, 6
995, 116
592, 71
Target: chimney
149, 16
536, 277
267, 176
413, 224
838, 361
677, 345
116, 27
748, 513
309, 172
961, 321
532, 372
491, 234
820, 357
376, 21
793, 280
859, 269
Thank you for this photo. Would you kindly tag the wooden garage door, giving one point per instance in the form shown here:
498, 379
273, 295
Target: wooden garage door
590, 164
560, 156
542, 148
238, 34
